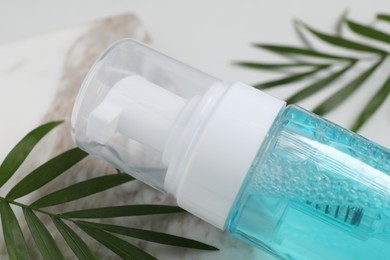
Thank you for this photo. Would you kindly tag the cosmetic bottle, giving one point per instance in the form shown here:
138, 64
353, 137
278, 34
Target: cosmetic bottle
277, 177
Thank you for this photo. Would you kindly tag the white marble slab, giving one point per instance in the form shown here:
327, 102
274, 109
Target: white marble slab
29, 79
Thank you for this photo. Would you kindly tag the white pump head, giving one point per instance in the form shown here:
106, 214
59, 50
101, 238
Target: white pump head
137, 108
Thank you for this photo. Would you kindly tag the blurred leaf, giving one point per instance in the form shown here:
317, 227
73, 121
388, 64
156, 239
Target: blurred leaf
288, 79
368, 32
20, 152
348, 44
341, 95
13, 236
317, 86
301, 36
77, 245
82, 189
288, 50
383, 17
44, 241
152, 236
340, 22
123, 211
373, 105
46, 173
117, 245
274, 66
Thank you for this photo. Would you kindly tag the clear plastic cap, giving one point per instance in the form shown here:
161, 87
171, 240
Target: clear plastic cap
130, 105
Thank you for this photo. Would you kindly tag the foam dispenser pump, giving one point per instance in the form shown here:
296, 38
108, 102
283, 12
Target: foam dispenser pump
275, 176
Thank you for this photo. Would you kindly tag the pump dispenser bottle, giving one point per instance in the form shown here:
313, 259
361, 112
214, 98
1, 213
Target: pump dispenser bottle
275, 176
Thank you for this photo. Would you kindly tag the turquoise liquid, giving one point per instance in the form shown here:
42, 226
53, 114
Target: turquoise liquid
315, 191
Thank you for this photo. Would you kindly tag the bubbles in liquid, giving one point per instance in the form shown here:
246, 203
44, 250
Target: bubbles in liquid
299, 169
306, 199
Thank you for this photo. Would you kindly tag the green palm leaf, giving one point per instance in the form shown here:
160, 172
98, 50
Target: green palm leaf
337, 40
300, 34
341, 95
82, 189
288, 50
77, 245
44, 241
373, 105
368, 32
341, 42
20, 152
152, 236
123, 211
289, 79
275, 66
13, 236
340, 22
383, 17
119, 246
46, 173
317, 86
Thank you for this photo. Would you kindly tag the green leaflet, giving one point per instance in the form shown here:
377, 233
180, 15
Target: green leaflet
289, 79
82, 189
152, 236
44, 241
20, 152
369, 32
77, 245
275, 66
288, 50
340, 22
383, 17
301, 35
375, 102
123, 211
46, 173
341, 42
316, 86
338, 97
117, 245
13, 236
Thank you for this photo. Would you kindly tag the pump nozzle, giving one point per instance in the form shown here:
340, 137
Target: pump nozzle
136, 108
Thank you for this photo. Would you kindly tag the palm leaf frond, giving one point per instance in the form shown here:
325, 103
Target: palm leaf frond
78, 246
153, 236
289, 79
123, 211
13, 236
20, 152
47, 246
82, 189
337, 40
372, 105
43, 239
119, 246
46, 173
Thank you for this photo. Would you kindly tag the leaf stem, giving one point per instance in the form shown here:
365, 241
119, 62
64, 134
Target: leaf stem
24, 206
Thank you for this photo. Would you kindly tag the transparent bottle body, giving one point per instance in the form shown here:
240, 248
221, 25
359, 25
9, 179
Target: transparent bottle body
131, 59
315, 191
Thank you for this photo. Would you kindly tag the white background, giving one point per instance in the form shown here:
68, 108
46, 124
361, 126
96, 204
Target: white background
206, 33
209, 35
